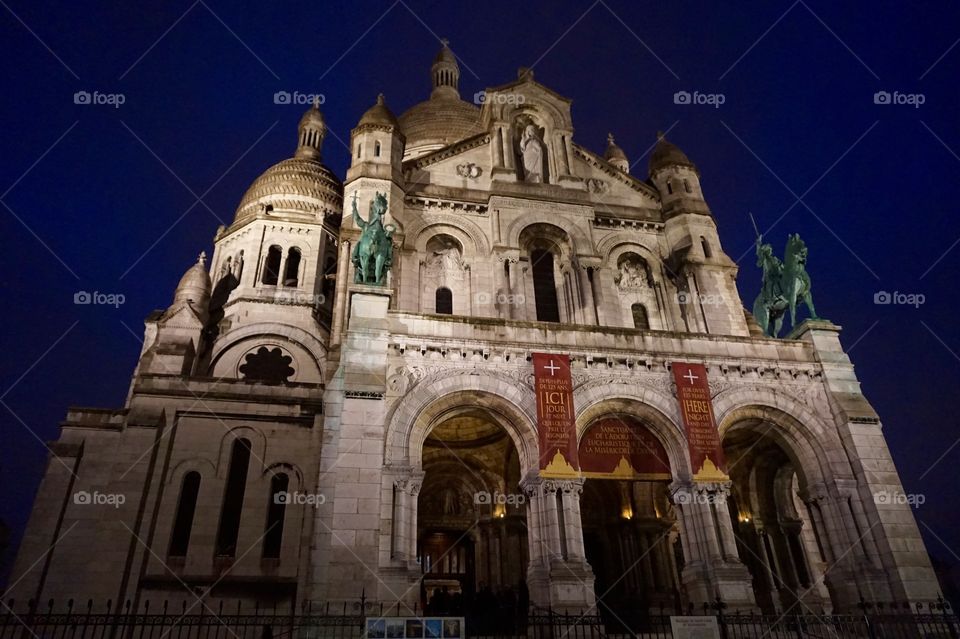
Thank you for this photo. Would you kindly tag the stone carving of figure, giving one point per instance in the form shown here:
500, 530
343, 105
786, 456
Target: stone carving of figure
632, 275
446, 259
531, 148
449, 502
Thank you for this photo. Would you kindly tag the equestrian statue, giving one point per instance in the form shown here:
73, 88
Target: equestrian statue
785, 285
373, 253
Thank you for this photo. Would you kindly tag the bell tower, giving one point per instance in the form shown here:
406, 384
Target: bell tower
704, 275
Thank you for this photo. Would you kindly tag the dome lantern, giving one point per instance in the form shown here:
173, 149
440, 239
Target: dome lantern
445, 73
310, 133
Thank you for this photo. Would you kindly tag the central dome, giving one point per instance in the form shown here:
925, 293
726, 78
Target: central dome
437, 122
444, 118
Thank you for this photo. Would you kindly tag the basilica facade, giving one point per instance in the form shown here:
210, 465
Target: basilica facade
303, 425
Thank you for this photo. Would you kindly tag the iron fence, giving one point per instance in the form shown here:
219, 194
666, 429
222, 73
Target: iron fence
346, 621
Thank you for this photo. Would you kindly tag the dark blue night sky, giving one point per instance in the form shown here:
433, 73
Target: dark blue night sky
105, 199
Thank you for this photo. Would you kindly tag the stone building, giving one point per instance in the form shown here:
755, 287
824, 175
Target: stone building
400, 421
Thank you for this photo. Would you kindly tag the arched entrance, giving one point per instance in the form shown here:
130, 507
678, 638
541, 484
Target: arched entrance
471, 518
773, 526
629, 525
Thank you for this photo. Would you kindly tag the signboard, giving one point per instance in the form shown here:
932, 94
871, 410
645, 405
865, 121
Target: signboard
414, 628
622, 448
696, 410
555, 419
694, 628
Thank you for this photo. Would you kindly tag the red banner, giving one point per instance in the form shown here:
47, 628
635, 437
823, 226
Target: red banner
555, 419
622, 448
696, 409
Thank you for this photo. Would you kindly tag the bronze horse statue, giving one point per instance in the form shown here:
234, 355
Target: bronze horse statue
785, 285
373, 252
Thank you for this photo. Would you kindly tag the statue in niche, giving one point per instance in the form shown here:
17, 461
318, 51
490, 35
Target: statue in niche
633, 274
449, 502
532, 153
446, 259
444, 254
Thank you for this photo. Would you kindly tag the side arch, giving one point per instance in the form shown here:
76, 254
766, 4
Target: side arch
432, 401
246, 337
816, 451
581, 244
464, 229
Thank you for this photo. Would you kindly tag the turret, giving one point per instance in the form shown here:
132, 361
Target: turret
615, 155
377, 145
704, 276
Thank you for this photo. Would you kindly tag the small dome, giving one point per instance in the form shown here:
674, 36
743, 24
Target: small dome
613, 151
299, 185
379, 114
667, 154
194, 287
296, 185
615, 155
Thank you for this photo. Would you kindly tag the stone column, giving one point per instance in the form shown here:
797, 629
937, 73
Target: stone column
710, 570
562, 582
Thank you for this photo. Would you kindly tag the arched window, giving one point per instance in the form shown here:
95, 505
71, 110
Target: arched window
276, 509
544, 286
686, 185
271, 267
669, 187
640, 319
238, 265
376, 149
707, 252
183, 520
291, 276
359, 148
444, 304
229, 528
